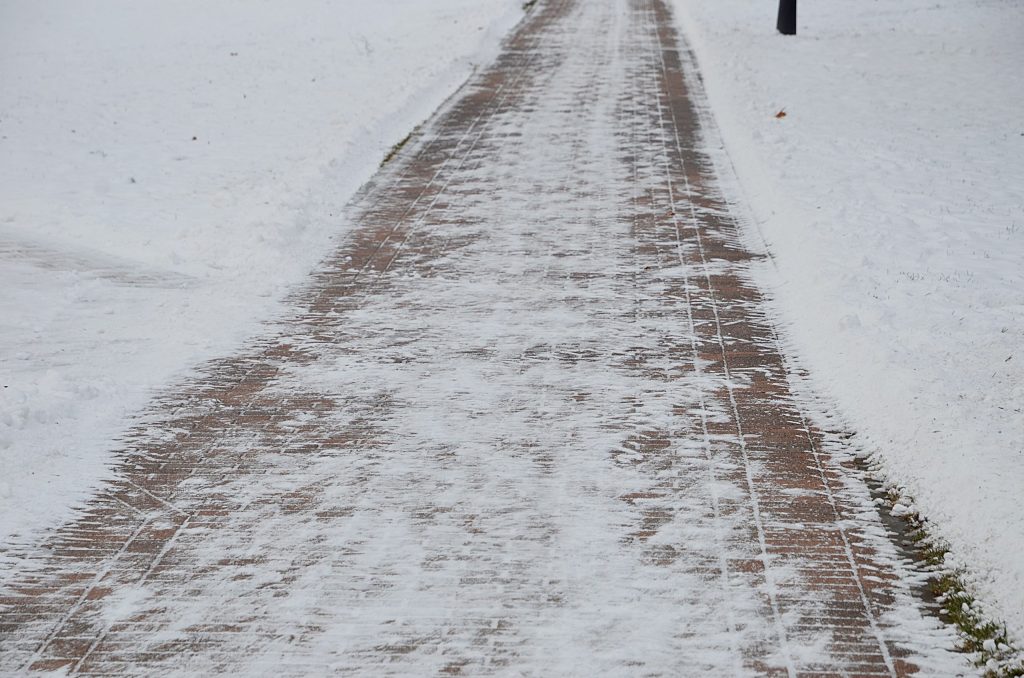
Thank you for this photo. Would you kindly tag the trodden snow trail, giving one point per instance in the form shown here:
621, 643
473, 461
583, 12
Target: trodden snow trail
530, 419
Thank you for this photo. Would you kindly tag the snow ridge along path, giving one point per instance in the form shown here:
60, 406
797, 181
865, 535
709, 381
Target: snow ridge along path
529, 419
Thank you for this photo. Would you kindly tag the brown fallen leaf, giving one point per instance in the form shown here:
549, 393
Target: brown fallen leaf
781, 114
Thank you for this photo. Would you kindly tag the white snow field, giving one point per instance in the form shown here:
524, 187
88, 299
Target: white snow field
891, 197
167, 171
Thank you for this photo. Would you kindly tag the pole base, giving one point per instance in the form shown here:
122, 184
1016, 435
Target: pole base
787, 17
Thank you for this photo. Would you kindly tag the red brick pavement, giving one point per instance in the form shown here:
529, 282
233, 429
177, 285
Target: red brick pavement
531, 418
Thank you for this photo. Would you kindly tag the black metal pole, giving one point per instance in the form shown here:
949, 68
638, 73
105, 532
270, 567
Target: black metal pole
787, 17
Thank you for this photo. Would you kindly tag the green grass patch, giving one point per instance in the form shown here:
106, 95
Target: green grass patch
396, 148
979, 635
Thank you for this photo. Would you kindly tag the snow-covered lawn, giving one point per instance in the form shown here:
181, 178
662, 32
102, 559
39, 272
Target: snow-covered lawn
891, 196
167, 170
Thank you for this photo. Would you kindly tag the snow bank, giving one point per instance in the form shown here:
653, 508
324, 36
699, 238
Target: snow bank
167, 171
891, 196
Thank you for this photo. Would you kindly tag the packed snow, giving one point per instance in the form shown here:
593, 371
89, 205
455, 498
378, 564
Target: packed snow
891, 197
167, 171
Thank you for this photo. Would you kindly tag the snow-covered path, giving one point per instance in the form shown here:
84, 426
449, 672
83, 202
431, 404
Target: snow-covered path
528, 420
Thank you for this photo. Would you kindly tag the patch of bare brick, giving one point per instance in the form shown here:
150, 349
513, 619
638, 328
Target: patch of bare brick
529, 419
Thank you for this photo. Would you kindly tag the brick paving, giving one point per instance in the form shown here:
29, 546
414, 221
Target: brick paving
529, 419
